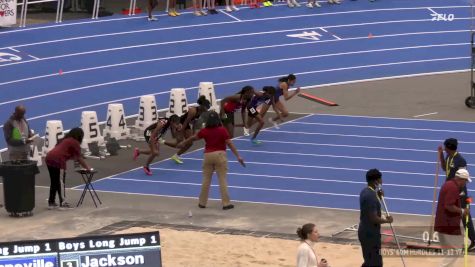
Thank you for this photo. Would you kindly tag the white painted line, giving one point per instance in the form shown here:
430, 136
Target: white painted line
433, 12
318, 167
391, 118
338, 38
222, 52
240, 139
227, 67
36, 58
265, 189
11, 48
161, 29
323, 29
229, 15
384, 127
207, 24
363, 136
427, 114
333, 156
338, 180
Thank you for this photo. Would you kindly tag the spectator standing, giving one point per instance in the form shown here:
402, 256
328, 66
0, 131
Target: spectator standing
17, 133
448, 215
369, 229
306, 256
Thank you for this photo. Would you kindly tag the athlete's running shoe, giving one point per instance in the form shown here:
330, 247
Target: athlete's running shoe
256, 142
147, 170
152, 19
246, 131
177, 159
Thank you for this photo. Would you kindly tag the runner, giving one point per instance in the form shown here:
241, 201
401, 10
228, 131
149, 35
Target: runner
257, 108
231, 104
187, 121
154, 137
281, 111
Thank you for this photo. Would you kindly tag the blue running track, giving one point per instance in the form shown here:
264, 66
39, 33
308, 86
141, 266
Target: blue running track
319, 161
58, 71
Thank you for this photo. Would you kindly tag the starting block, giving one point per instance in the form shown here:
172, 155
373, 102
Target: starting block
116, 126
54, 132
207, 89
90, 126
178, 102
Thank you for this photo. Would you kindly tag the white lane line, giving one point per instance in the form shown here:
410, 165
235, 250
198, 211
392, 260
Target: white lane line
230, 36
338, 38
11, 48
161, 29
231, 51
263, 189
395, 118
36, 58
333, 156
323, 29
283, 177
362, 136
227, 67
345, 146
427, 114
207, 24
383, 127
433, 12
229, 15
317, 167
338, 180
305, 87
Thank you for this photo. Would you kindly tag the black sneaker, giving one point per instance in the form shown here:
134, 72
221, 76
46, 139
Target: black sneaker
213, 11
228, 207
471, 248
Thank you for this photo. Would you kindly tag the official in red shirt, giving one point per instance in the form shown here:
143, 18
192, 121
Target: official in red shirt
216, 138
449, 214
68, 148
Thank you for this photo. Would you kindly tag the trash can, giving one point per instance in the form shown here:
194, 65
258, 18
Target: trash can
19, 186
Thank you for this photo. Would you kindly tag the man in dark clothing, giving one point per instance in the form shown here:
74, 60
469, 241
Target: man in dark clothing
17, 135
369, 230
449, 213
450, 164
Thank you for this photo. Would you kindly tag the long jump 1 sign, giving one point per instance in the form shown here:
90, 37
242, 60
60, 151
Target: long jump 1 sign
7, 12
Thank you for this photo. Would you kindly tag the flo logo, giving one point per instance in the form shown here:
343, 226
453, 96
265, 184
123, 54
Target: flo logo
8, 57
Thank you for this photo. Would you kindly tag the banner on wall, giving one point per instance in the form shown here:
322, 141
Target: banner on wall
7, 12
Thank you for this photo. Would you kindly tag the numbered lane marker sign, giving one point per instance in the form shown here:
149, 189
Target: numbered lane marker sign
148, 113
178, 102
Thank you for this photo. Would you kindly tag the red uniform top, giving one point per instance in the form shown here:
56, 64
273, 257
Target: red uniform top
447, 222
215, 138
230, 107
67, 149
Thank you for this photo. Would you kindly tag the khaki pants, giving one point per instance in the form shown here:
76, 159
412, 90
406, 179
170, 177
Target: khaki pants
215, 161
450, 243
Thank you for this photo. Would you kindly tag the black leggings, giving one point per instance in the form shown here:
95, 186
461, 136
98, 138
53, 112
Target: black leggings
54, 175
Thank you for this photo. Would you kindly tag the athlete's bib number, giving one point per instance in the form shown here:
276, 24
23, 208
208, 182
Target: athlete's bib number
253, 110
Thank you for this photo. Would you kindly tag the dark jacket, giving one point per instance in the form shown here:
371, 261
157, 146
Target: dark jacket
8, 130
